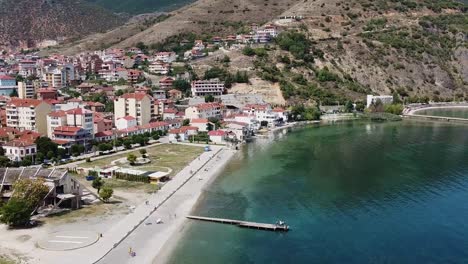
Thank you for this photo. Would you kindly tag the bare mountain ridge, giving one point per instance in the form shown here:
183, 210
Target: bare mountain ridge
28, 22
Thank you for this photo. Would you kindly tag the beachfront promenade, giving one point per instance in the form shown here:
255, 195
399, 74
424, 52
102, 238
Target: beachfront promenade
177, 196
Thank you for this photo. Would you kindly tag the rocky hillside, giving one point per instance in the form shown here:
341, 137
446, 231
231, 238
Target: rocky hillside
140, 6
416, 49
204, 16
28, 22
341, 49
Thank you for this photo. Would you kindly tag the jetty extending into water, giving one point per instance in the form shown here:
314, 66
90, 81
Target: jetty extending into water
437, 118
245, 224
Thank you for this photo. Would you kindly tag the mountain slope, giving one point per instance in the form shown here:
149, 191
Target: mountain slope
417, 49
204, 16
28, 22
140, 6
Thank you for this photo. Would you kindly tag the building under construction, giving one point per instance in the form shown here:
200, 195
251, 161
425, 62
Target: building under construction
64, 191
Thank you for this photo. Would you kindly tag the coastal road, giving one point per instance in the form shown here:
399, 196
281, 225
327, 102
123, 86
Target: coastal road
149, 238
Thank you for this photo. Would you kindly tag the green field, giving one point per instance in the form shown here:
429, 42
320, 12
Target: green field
166, 157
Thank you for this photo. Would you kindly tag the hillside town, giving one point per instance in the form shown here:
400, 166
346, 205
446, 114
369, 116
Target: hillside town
109, 96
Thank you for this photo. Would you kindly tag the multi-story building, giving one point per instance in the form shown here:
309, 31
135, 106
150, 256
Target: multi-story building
73, 135
55, 119
27, 89
47, 94
207, 87
7, 85
28, 114
83, 118
372, 99
27, 68
205, 110
55, 78
159, 67
133, 76
166, 83
167, 57
138, 105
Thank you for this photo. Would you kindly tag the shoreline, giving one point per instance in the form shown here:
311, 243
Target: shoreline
152, 242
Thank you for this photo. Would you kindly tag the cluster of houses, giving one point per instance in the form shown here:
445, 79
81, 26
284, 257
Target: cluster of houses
38, 99
73, 121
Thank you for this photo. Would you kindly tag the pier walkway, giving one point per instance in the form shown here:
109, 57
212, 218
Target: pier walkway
440, 118
245, 224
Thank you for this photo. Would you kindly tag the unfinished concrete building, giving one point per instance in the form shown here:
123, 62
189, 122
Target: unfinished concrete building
64, 191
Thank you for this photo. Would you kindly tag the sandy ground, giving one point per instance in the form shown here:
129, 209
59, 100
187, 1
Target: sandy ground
271, 92
150, 241
122, 224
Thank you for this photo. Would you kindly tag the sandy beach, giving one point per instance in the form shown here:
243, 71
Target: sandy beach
137, 229
150, 239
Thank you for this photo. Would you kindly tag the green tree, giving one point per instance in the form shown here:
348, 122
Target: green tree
14, 93
360, 106
15, 213
248, 51
143, 153
97, 183
27, 161
182, 85
349, 107
131, 158
186, 122
30, 191
4, 161
209, 98
106, 193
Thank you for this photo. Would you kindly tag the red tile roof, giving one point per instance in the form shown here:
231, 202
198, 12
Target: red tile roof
137, 96
19, 143
67, 130
6, 78
24, 102
58, 114
128, 118
199, 120
78, 111
217, 133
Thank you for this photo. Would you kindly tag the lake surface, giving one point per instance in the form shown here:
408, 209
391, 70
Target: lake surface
460, 112
352, 193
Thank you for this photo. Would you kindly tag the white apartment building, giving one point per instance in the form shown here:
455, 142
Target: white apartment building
138, 105
17, 150
28, 114
82, 118
205, 110
207, 87
385, 99
167, 57
55, 119
159, 67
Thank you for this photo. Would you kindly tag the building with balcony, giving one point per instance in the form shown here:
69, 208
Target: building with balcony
28, 114
138, 105
207, 87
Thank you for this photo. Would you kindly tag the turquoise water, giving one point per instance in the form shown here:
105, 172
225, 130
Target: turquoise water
352, 193
446, 112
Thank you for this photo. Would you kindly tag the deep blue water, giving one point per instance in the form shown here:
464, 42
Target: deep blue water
352, 193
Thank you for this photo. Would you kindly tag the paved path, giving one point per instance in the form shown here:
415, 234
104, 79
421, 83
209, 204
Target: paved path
124, 229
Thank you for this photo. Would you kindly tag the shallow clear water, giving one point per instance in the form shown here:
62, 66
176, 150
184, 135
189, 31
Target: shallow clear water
352, 193
446, 112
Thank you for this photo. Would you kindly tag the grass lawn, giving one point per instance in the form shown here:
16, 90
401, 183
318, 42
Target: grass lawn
163, 158
6, 260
